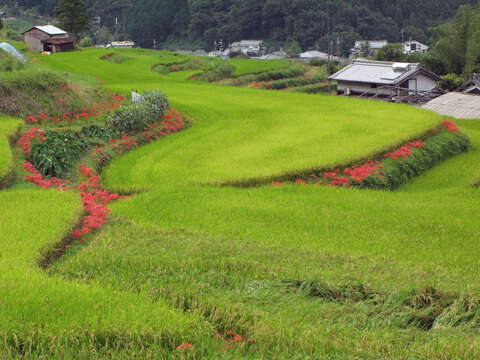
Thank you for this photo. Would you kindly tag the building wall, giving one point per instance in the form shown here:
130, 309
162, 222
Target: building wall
424, 83
361, 88
33, 39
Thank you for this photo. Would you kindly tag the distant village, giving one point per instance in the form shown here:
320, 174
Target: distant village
361, 77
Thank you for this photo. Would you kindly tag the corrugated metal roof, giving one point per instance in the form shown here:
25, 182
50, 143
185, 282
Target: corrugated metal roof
373, 44
458, 105
51, 30
378, 72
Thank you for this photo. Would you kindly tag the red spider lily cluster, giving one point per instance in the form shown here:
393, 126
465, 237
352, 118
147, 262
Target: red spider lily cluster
185, 346
231, 339
66, 95
94, 201
356, 175
25, 142
172, 122
45, 183
450, 125
405, 151
256, 84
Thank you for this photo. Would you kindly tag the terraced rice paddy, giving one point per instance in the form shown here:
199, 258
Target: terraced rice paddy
296, 272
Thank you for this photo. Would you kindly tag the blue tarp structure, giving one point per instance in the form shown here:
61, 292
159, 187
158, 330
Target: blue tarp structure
12, 50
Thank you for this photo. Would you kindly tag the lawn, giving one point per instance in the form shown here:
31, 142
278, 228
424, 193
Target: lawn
304, 272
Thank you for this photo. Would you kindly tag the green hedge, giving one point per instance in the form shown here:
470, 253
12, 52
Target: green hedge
290, 72
320, 88
437, 149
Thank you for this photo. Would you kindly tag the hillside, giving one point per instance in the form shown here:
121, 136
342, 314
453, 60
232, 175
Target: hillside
201, 22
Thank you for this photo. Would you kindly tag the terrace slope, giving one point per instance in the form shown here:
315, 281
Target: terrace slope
228, 252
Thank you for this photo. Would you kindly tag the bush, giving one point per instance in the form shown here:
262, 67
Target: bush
287, 83
318, 62
57, 154
290, 72
451, 82
138, 116
313, 89
9, 63
86, 42
437, 148
217, 70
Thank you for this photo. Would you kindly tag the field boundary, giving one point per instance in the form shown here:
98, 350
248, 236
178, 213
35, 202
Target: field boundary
294, 175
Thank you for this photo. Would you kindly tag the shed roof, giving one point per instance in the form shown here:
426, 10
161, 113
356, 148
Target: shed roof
474, 81
458, 105
48, 29
379, 72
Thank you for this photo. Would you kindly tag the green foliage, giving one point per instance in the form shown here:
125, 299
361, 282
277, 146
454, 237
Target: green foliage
437, 149
391, 52
293, 49
216, 70
451, 82
314, 89
8, 128
456, 47
72, 16
57, 155
290, 72
9, 63
137, 116
86, 41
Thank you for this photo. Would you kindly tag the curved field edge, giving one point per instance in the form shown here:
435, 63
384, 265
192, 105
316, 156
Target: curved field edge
40, 312
9, 129
266, 136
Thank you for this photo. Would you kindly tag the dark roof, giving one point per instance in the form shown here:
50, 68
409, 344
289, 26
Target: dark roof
474, 81
58, 41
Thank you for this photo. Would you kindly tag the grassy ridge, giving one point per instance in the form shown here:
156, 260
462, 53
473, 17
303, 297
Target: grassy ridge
8, 128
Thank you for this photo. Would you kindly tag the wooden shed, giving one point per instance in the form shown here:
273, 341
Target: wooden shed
48, 38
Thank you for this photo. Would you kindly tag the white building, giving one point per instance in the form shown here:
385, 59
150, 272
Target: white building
414, 46
384, 79
122, 44
371, 45
249, 47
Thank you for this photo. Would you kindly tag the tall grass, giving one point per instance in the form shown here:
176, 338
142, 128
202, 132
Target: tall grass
8, 128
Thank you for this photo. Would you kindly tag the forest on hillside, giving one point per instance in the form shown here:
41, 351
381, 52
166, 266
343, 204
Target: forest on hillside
199, 23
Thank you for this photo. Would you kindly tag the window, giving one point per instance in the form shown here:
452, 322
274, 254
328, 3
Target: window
373, 86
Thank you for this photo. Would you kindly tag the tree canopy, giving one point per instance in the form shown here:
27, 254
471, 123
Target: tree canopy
72, 16
308, 22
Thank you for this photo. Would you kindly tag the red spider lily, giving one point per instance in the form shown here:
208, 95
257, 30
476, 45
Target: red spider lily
185, 346
450, 125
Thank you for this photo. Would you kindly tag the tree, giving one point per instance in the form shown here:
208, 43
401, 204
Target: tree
72, 16
1, 24
391, 52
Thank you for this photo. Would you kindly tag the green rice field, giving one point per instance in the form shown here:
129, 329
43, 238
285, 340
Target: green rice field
258, 272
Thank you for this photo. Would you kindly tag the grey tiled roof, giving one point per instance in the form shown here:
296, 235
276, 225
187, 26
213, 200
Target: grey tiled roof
458, 105
378, 72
